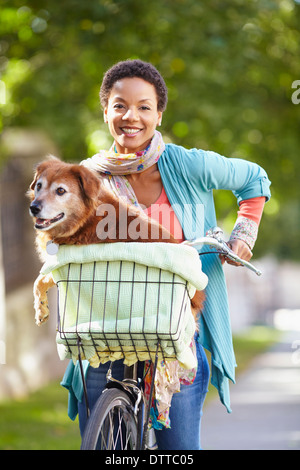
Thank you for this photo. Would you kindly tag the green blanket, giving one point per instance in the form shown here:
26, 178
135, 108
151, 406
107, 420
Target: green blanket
120, 297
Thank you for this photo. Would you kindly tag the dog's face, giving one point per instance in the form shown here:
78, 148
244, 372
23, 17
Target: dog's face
62, 195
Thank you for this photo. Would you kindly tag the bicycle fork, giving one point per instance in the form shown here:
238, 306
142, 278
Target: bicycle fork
129, 385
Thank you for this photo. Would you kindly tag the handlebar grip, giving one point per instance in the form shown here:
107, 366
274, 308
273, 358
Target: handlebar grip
248, 265
222, 248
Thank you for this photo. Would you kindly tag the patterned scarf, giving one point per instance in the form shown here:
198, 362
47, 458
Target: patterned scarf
114, 166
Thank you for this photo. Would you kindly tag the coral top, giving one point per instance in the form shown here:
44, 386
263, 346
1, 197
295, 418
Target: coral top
162, 212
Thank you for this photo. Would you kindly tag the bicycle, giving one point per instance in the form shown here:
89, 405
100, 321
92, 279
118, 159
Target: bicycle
120, 417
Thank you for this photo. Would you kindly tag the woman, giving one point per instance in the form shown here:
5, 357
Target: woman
166, 177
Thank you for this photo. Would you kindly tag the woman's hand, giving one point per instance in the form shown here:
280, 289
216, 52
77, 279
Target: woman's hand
241, 249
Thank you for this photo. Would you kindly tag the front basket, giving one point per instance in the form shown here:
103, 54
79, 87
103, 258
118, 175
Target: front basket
111, 310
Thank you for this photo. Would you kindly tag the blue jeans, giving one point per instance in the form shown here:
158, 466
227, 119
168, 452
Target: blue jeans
185, 411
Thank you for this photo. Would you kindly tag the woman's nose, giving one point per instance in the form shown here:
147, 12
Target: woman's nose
131, 115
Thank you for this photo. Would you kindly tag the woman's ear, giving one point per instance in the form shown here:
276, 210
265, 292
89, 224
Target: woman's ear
159, 118
105, 115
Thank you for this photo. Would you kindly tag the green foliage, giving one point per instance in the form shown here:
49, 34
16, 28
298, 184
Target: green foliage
229, 66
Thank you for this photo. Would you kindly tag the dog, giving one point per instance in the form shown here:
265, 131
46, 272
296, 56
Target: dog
65, 202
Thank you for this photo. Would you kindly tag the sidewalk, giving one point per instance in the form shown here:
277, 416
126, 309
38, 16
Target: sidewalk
265, 404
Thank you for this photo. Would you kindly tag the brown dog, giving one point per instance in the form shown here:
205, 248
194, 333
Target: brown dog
70, 206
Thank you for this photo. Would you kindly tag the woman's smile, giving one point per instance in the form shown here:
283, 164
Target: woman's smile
130, 131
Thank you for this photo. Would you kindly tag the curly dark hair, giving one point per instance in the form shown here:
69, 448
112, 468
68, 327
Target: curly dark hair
130, 69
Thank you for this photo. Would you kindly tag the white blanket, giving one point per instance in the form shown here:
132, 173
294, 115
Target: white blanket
116, 319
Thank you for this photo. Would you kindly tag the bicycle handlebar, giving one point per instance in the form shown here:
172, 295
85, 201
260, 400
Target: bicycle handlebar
214, 239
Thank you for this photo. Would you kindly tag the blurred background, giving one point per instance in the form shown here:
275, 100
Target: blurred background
233, 73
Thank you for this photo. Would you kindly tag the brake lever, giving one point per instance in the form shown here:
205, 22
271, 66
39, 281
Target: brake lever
217, 233
214, 237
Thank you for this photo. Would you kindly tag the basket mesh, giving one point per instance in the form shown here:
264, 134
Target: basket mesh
122, 310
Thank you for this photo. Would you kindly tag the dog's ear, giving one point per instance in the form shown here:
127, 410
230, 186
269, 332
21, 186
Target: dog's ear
88, 181
30, 191
37, 173
41, 167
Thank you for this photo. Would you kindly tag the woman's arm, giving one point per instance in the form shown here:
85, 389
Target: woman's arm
244, 234
211, 171
248, 182
192, 175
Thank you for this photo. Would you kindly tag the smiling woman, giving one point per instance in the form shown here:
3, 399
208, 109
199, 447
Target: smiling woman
143, 170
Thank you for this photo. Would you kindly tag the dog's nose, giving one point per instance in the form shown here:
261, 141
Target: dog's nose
35, 208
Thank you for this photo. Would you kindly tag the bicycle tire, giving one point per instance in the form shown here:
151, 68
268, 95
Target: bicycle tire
112, 424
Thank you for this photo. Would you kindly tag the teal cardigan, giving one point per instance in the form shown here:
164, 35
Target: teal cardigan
189, 178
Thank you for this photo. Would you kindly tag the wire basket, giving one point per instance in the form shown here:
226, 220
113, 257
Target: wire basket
122, 310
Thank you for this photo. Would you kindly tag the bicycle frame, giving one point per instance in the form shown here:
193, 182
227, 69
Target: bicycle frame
130, 385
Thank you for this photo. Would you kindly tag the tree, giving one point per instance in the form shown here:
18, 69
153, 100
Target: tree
229, 66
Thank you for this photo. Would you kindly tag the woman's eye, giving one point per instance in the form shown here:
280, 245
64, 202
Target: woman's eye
145, 108
118, 106
60, 191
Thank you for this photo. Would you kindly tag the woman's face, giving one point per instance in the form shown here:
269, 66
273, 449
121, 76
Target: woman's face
132, 114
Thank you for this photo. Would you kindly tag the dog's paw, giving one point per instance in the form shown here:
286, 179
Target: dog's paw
41, 312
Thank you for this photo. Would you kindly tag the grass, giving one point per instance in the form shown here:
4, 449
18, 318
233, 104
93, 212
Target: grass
251, 343
40, 421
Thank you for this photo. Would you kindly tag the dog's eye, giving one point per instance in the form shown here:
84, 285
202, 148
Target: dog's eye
60, 191
38, 186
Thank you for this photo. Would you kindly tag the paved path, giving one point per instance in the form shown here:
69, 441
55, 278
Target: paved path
265, 404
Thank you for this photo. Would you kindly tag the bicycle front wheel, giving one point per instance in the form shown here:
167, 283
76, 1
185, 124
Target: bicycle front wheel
112, 424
